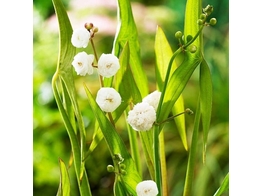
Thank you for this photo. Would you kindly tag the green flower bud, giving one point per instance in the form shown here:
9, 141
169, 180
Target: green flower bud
110, 168
178, 34
192, 48
213, 21
123, 172
189, 38
203, 16
95, 29
200, 22
122, 166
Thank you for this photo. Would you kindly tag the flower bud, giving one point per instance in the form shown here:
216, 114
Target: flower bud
189, 38
192, 48
123, 172
200, 22
178, 34
213, 21
89, 26
203, 16
122, 166
110, 168
208, 9
95, 29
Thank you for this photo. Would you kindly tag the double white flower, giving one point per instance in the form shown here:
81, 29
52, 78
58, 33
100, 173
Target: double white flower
83, 63
108, 99
143, 115
146, 188
108, 65
80, 37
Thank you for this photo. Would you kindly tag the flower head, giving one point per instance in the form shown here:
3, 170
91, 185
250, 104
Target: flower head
146, 188
153, 99
83, 63
142, 117
80, 37
108, 99
108, 65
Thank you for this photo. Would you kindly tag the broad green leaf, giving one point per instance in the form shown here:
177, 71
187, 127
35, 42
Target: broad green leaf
164, 53
205, 81
115, 145
64, 186
224, 186
127, 32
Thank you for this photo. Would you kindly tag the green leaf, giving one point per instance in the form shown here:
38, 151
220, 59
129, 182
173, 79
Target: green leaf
176, 85
205, 101
64, 77
64, 186
192, 154
115, 145
164, 53
127, 32
224, 186
125, 83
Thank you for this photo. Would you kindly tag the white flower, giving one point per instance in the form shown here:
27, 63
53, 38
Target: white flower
108, 65
142, 117
83, 63
146, 188
108, 99
153, 99
80, 37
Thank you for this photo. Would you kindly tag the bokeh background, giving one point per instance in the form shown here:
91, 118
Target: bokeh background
50, 139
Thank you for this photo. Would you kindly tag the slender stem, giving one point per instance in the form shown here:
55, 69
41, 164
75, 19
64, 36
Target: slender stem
187, 111
156, 159
163, 163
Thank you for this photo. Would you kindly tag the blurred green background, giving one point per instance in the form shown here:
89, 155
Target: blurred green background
50, 140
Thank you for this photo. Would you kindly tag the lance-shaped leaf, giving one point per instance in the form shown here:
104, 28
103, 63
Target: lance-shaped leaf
164, 53
115, 145
64, 186
205, 81
224, 186
127, 32
64, 75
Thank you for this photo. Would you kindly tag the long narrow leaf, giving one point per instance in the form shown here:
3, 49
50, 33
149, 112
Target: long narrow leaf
127, 32
64, 187
205, 101
115, 145
224, 186
164, 53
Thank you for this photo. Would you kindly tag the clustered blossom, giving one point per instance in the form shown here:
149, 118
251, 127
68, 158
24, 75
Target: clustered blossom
108, 99
143, 115
80, 37
108, 65
147, 188
153, 99
83, 63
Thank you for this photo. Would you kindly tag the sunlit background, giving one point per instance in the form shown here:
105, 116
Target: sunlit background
51, 141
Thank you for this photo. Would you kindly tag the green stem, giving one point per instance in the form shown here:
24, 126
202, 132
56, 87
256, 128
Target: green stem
163, 163
156, 159
192, 154
84, 186
132, 135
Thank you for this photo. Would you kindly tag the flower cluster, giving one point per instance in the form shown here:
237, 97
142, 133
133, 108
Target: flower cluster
143, 115
108, 99
147, 188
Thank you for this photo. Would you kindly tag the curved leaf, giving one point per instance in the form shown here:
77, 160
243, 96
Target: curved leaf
224, 186
164, 53
64, 186
115, 145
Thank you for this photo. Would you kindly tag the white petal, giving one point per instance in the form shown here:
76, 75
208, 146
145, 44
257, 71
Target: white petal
147, 188
153, 99
80, 37
83, 63
108, 99
108, 65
